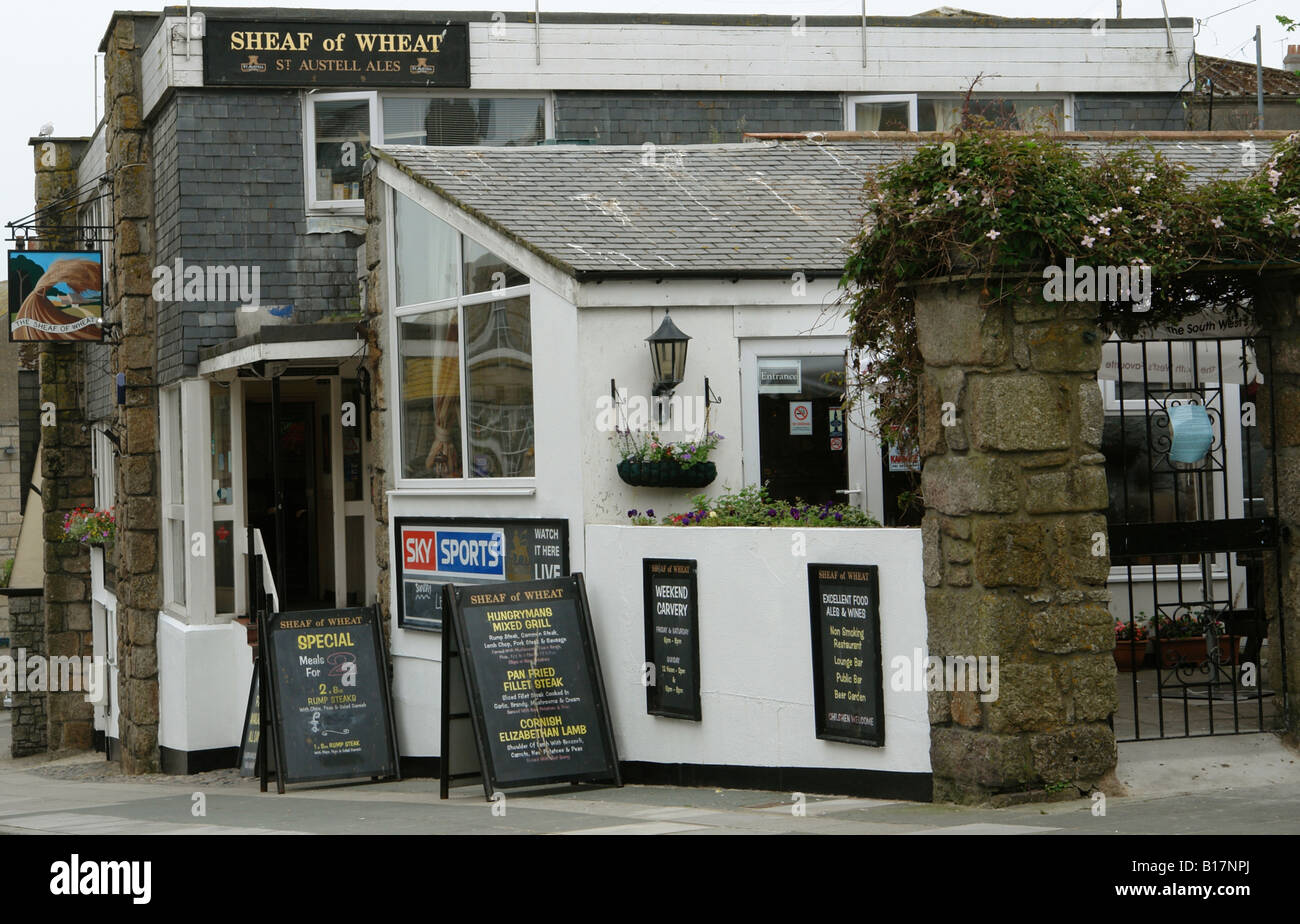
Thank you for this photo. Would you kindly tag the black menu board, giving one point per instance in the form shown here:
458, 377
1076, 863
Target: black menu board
848, 693
252, 726
329, 695
536, 696
434, 551
672, 638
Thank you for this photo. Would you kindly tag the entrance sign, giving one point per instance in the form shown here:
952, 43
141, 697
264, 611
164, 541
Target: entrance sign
536, 697
780, 376
240, 52
437, 551
329, 700
55, 295
848, 689
672, 639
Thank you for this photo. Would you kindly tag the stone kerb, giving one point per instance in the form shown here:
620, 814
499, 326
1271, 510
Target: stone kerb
1014, 538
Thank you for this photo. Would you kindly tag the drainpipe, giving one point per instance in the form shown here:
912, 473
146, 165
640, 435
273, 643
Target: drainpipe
1169, 32
1259, 80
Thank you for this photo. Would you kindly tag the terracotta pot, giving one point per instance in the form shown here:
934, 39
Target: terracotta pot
1192, 651
1130, 656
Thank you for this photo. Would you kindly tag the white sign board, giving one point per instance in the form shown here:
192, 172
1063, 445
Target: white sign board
780, 376
801, 418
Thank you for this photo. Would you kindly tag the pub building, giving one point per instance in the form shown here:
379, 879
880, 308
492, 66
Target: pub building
371, 279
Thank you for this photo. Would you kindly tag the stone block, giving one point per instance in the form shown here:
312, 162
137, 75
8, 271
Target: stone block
1009, 553
960, 485
1019, 412
1092, 414
1075, 540
981, 758
1071, 490
1080, 753
140, 551
1065, 629
953, 328
931, 565
1029, 699
1093, 697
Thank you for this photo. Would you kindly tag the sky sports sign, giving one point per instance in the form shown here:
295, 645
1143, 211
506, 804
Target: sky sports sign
437, 551
454, 553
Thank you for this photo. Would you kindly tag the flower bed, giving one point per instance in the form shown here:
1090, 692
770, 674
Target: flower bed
753, 506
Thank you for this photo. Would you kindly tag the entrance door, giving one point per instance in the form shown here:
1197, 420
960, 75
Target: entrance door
297, 445
799, 439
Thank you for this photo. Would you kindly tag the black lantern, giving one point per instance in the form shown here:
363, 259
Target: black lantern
667, 356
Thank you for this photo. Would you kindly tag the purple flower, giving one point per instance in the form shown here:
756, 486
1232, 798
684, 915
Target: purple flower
631, 513
794, 512
839, 516
649, 513
771, 511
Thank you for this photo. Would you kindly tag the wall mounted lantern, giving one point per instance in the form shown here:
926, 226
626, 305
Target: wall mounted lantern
667, 356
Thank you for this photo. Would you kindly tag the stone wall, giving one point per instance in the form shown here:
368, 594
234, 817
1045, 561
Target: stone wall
30, 734
1015, 495
1129, 112
138, 513
1279, 427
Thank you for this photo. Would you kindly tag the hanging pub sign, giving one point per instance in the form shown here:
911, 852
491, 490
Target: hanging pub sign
848, 689
672, 639
330, 716
55, 295
536, 697
240, 52
437, 551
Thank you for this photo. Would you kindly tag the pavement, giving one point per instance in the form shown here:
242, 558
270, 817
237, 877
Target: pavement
1247, 784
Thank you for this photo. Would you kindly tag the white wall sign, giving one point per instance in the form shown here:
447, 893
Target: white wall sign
801, 418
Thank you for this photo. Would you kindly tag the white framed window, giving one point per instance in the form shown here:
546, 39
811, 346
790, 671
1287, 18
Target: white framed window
941, 112
887, 113
338, 129
462, 326
172, 540
337, 133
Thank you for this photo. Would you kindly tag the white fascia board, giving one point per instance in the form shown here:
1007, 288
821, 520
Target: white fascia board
299, 349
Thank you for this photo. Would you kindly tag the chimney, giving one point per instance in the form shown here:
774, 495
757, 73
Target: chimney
1292, 60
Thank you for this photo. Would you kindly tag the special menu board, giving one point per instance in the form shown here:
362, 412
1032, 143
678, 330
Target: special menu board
437, 551
848, 693
537, 699
672, 638
329, 695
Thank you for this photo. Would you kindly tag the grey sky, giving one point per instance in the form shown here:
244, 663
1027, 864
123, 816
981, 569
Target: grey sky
50, 46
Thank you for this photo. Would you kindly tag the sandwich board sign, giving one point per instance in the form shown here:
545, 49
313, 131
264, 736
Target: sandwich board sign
524, 655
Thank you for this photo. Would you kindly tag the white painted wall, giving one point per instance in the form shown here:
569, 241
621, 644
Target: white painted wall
755, 644
203, 677
685, 57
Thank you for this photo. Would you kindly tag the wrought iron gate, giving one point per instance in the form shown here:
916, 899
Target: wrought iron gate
1193, 538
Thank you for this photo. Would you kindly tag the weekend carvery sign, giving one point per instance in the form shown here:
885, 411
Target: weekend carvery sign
331, 714
536, 697
240, 52
470, 551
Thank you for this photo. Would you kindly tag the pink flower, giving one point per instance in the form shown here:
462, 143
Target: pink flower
1216, 221
1088, 240
993, 235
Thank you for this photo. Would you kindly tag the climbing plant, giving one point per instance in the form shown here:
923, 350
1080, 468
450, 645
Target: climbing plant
1000, 209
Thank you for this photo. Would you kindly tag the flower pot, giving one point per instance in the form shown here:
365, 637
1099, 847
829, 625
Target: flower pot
1130, 656
1192, 651
666, 474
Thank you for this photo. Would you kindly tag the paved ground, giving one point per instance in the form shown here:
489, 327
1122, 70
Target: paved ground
1241, 785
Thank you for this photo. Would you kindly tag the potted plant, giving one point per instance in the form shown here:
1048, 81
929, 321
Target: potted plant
1186, 639
89, 526
1130, 645
649, 461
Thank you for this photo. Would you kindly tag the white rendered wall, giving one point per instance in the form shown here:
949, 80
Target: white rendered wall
756, 674
203, 678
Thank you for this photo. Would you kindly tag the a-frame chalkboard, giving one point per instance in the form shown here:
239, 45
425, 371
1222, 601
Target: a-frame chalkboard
535, 695
330, 714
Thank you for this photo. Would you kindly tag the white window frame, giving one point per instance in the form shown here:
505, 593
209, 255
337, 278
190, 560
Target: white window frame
375, 97
169, 406
194, 509
333, 206
851, 103
464, 485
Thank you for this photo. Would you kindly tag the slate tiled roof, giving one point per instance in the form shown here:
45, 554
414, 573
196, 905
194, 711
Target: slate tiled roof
1237, 79
754, 209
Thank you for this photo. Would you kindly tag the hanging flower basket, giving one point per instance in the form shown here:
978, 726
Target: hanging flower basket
667, 474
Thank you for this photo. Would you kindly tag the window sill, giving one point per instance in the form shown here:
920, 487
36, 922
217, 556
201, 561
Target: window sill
466, 488
336, 222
